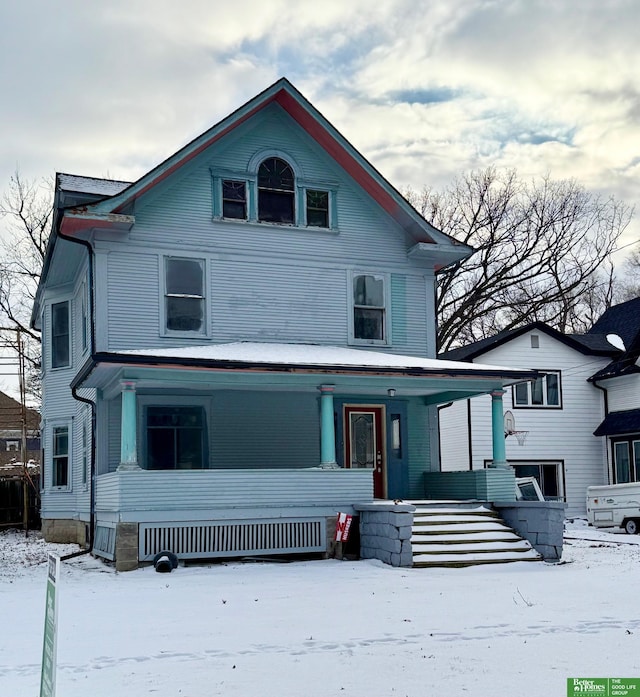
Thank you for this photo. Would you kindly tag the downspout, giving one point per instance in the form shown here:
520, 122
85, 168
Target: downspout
76, 396
606, 413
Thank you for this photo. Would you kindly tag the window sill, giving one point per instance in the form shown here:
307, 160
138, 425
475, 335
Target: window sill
284, 226
369, 342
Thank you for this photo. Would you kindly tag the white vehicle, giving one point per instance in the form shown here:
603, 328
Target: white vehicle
617, 505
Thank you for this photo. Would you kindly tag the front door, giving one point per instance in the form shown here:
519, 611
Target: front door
365, 443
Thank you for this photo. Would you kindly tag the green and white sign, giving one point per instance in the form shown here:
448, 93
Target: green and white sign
48, 673
603, 687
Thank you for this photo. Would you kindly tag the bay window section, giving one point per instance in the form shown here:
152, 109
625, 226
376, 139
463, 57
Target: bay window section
184, 295
60, 335
60, 457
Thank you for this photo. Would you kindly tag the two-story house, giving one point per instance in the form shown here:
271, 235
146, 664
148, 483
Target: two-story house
575, 426
240, 344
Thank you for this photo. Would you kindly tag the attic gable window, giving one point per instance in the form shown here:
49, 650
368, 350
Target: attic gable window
276, 192
317, 208
184, 295
234, 199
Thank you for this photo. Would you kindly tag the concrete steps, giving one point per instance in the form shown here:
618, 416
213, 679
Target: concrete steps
458, 535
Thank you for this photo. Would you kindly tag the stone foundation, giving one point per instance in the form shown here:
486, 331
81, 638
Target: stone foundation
126, 546
385, 532
540, 522
65, 531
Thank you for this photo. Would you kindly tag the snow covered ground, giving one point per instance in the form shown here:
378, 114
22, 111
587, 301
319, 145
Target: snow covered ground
324, 628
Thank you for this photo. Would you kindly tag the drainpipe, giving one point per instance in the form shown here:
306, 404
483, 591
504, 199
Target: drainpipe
76, 396
606, 413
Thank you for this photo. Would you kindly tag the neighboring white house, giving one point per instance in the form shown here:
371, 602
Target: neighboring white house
559, 412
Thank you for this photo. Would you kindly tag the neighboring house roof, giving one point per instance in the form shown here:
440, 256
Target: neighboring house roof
619, 422
585, 344
623, 320
115, 209
11, 416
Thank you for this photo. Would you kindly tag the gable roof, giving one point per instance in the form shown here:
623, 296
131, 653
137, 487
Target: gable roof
595, 345
315, 125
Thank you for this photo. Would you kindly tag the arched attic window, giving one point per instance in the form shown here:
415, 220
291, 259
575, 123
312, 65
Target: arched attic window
276, 192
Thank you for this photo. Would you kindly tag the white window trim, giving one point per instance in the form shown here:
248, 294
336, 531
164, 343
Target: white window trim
52, 425
529, 404
206, 325
386, 277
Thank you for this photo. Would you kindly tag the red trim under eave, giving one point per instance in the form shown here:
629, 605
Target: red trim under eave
197, 151
71, 226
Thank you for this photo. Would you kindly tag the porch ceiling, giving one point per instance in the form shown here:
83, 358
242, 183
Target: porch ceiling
287, 367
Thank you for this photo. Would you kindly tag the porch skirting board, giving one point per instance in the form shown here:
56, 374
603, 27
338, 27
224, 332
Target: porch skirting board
129, 544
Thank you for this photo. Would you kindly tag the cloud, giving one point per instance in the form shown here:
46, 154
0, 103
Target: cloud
424, 90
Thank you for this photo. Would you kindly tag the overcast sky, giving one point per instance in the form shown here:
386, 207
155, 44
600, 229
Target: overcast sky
425, 89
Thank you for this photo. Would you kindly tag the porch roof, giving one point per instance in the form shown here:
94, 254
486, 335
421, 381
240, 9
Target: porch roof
301, 365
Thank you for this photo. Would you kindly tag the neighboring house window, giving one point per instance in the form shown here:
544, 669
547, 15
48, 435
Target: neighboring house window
276, 192
626, 460
369, 321
541, 392
12, 445
176, 437
234, 199
60, 334
184, 295
547, 475
60, 473
317, 208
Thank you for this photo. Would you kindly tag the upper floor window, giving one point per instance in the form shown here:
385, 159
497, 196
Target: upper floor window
234, 199
60, 334
317, 208
276, 192
369, 321
60, 472
184, 295
541, 392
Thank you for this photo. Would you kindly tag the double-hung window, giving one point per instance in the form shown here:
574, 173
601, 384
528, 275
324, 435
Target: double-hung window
176, 437
60, 457
234, 199
184, 295
317, 208
544, 391
369, 308
60, 353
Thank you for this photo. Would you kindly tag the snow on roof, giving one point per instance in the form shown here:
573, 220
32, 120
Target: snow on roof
311, 354
91, 185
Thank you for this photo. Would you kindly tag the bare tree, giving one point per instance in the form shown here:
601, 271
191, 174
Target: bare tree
629, 285
542, 253
26, 210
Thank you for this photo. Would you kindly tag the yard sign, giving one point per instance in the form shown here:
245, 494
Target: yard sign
48, 674
343, 526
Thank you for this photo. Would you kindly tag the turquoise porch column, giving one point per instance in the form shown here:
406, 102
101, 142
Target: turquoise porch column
497, 424
128, 444
327, 427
